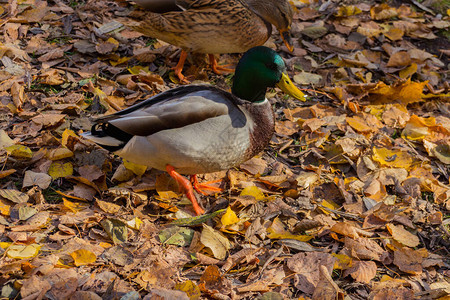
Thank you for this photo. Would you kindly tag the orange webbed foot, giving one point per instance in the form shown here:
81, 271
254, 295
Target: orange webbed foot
201, 187
187, 187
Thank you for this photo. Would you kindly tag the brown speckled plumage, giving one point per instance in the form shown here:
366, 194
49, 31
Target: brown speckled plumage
215, 26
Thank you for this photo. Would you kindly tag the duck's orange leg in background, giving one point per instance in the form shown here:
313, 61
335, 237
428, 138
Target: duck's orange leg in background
215, 66
178, 69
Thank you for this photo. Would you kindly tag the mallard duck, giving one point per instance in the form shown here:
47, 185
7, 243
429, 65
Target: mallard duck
196, 129
212, 26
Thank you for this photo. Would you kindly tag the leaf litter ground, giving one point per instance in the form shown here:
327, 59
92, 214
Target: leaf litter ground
349, 201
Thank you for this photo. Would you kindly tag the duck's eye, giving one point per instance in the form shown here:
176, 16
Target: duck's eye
272, 66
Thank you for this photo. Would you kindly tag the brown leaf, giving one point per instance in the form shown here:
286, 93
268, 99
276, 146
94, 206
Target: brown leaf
286, 127
18, 95
403, 236
399, 59
36, 14
90, 172
42, 180
53, 54
326, 288
35, 286
307, 265
363, 248
345, 229
85, 295
362, 271
254, 166
391, 290
165, 294
408, 260
48, 120
212, 280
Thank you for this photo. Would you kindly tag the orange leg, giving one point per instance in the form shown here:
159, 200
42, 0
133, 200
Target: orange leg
204, 186
179, 67
215, 66
187, 187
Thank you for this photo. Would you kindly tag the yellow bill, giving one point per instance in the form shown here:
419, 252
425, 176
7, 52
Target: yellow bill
286, 85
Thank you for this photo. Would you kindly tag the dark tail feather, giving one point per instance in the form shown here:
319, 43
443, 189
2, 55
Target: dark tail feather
108, 136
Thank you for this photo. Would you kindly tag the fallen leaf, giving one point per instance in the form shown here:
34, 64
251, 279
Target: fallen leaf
190, 288
14, 196
179, 236
392, 158
362, 271
215, 241
345, 229
19, 151
408, 260
59, 153
60, 169
116, 230
253, 191
23, 251
41, 180
307, 269
229, 218
326, 288
82, 257
108, 207
137, 169
403, 236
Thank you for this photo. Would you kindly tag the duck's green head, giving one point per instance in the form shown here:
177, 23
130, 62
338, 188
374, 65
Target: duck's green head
259, 69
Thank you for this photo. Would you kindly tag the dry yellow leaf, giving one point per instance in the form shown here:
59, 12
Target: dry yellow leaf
345, 229
409, 71
215, 241
419, 128
41, 180
348, 10
166, 187
67, 135
392, 158
404, 91
134, 223
23, 251
19, 151
278, 231
73, 206
190, 288
60, 169
364, 123
253, 191
137, 169
5, 208
229, 217
83, 257
362, 271
59, 153
51, 77
399, 59
5, 140
343, 261
383, 11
